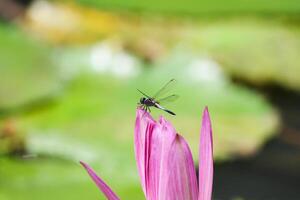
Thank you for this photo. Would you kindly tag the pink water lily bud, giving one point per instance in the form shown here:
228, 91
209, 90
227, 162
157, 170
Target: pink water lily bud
165, 163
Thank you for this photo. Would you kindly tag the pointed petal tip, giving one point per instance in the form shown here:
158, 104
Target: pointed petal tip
139, 110
161, 119
86, 166
206, 110
110, 195
167, 125
82, 163
143, 114
206, 117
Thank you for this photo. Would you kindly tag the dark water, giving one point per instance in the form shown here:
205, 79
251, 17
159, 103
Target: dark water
11, 9
274, 173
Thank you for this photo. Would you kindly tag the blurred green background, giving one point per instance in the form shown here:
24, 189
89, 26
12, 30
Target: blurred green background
69, 71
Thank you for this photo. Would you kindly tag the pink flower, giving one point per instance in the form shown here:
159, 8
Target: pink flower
165, 163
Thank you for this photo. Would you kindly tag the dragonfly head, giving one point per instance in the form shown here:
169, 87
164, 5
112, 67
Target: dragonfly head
142, 100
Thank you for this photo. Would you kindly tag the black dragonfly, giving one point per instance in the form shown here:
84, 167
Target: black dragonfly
155, 101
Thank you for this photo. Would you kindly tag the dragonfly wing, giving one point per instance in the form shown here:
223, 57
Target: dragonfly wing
168, 99
165, 88
143, 93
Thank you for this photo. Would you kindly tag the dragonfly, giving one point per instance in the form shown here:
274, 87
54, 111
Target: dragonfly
155, 101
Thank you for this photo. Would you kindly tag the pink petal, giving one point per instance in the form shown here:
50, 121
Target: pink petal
160, 142
164, 160
205, 158
178, 179
144, 126
110, 195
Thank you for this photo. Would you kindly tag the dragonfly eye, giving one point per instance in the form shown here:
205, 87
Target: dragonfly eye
142, 100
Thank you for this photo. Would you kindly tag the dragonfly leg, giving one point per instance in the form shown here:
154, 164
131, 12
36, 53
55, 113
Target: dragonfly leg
144, 107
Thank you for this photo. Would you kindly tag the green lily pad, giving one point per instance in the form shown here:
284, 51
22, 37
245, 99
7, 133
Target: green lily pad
27, 71
215, 7
256, 51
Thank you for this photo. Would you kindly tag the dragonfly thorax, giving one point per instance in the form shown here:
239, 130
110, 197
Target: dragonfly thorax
147, 101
